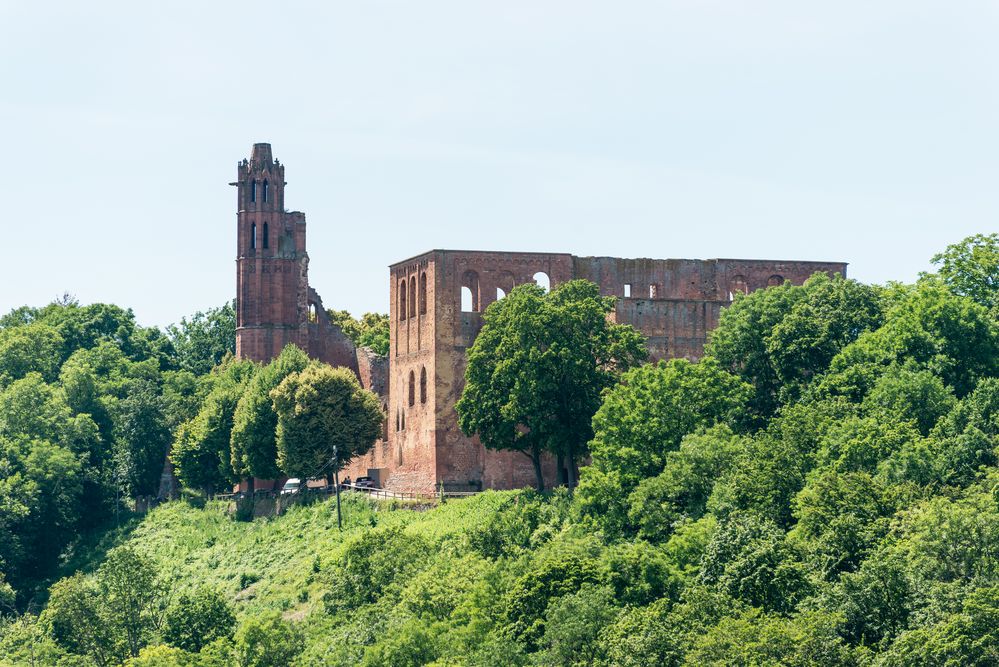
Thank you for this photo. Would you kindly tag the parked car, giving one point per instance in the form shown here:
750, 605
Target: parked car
291, 486
364, 483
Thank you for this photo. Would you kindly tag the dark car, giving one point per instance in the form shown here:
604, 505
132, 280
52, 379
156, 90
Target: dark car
364, 483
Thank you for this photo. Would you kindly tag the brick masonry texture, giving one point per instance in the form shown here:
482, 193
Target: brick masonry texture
436, 303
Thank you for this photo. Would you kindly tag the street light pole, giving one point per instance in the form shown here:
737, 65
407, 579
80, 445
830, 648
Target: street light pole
336, 481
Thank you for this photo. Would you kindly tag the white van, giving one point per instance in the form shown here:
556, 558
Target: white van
291, 486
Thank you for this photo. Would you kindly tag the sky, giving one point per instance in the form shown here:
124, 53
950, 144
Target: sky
865, 132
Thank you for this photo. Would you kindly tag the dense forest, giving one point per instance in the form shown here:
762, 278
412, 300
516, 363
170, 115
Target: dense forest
821, 488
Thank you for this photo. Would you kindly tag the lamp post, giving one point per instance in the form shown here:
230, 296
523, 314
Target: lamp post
336, 486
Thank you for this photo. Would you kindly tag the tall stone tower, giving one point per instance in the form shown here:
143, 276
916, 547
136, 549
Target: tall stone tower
272, 294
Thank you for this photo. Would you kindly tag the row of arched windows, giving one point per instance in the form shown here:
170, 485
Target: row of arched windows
410, 297
263, 191
739, 284
265, 239
471, 297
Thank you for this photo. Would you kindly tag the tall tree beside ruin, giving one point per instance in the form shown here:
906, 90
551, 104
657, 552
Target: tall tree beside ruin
537, 369
254, 443
323, 412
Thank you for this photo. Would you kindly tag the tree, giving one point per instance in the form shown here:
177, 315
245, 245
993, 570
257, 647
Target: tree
201, 451
537, 369
573, 624
971, 268
204, 340
324, 417
30, 348
141, 439
779, 338
267, 640
371, 331
254, 425
197, 620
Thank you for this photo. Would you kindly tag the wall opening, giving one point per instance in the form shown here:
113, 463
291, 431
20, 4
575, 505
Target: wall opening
312, 313
412, 296
253, 236
423, 293
470, 292
627, 290
253, 191
267, 237
542, 279
402, 299
265, 191
412, 388
500, 293
653, 291
423, 385
737, 285
775, 281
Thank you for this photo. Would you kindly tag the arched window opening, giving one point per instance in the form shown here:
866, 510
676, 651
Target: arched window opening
423, 385
412, 295
312, 313
412, 388
500, 293
423, 293
403, 417
398, 420
542, 279
470, 292
265, 191
775, 281
253, 236
504, 285
737, 285
253, 191
267, 237
402, 299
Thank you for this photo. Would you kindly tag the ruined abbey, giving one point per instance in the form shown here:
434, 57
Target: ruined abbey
436, 301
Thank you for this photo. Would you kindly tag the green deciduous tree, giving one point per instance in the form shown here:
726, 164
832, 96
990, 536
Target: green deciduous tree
971, 268
202, 341
194, 621
371, 331
536, 370
267, 640
254, 427
321, 410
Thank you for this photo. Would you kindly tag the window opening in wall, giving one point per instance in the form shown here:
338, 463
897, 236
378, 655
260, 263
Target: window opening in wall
265, 191
402, 299
412, 296
423, 385
267, 236
737, 285
253, 191
653, 291
398, 420
775, 280
412, 388
403, 419
542, 279
470, 292
500, 293
312, 313
253, 236
423, 293
627, 290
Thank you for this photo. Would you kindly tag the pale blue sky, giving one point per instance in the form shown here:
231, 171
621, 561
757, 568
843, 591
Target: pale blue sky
856, 131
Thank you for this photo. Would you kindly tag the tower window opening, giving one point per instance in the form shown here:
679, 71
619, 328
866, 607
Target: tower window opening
253, 191
737, 285
265, 191
500, 293
543, 281
412, 296
653, 291
312, 313
423, 293
412, 388
775, 281
267, 236
423, 385
627, 290
253, 236
402, 299
470, 292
